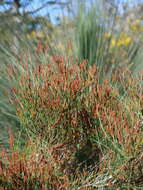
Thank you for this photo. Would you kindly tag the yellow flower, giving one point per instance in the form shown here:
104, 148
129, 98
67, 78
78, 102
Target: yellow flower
137, 22
107, 35
113, 42
136, 26
124, 40
33, 34
127, 41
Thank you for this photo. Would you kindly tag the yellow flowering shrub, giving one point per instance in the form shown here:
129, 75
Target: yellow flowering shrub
136, 26
123, 40
35, 35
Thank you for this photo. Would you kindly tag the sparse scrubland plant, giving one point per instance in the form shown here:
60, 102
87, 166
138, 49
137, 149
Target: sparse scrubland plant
82, 114
85, 128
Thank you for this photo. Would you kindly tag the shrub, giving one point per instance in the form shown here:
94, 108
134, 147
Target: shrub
23, 170
64, 106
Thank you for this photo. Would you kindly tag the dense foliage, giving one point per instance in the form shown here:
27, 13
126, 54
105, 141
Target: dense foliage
77, 105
